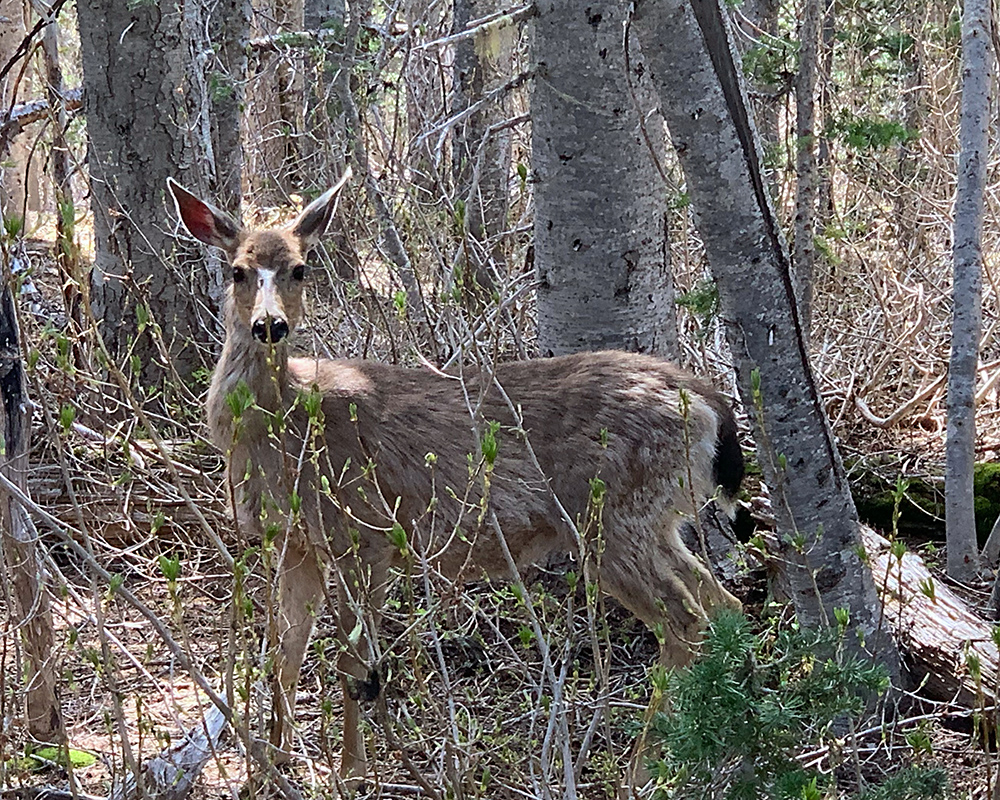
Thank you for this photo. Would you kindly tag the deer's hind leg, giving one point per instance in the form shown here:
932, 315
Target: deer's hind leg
647, 568
301, 589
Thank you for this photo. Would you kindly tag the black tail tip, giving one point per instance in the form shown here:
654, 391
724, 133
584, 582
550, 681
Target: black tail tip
728, 466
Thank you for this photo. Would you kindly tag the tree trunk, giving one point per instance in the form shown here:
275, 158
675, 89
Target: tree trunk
688, 52
935, 627
805, 161
907, 198
769, 94
977, 68
216, 37
390, 239
21, 557
323, 148
481, 155
171, 774
145, 122
600, 203
425, 96
13, 180
67, 256
824, 162
274, 119
229, 29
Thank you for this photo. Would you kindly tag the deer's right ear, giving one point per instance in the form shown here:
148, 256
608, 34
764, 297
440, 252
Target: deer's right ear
205, 222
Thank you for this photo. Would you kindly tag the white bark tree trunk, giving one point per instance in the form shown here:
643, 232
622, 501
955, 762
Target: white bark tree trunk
688, 51
805, 160
600, 203
977, 68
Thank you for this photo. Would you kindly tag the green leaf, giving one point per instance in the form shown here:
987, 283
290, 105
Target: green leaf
170, 567
240, 400
398, 537
67, 414
490, 445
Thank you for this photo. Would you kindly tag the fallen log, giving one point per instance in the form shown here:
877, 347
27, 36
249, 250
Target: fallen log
171, 774
940, 636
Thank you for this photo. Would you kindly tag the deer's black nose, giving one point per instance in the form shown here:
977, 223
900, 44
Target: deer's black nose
270, 330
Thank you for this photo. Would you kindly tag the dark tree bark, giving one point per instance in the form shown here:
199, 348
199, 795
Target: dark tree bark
67, 258
600, 203
148, 117
23, 571
967, 291
275, 105
688, 51
481, 154
324, 14
229, 30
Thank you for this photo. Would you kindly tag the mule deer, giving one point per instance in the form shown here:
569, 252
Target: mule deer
332, 460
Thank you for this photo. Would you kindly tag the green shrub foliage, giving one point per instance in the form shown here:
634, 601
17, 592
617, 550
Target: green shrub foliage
739, 715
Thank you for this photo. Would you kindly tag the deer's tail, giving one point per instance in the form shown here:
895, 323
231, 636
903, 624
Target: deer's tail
727, 466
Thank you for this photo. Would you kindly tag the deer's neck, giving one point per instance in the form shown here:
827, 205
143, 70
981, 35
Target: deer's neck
264, 371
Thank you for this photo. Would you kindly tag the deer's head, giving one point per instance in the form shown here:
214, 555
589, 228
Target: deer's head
268, 266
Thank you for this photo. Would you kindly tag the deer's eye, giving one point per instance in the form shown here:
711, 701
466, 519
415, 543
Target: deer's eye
239, 275
299, 272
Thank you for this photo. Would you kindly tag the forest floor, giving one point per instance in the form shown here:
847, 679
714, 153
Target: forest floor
492, 674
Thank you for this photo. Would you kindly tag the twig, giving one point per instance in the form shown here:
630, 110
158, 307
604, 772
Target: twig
508, 17
490, 97
903, 410
25, 45
24, 114
256, 747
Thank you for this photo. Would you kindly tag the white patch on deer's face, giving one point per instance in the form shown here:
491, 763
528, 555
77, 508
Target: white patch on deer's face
267, 303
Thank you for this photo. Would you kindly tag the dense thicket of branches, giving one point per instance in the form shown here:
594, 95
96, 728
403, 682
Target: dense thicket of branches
432, 258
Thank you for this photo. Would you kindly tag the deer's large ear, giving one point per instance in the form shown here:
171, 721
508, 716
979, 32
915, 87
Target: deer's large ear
205, 222
315, 218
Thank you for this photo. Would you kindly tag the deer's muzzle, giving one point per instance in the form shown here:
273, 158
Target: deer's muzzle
269, 330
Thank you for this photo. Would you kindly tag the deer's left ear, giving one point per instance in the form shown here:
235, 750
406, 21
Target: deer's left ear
315, 218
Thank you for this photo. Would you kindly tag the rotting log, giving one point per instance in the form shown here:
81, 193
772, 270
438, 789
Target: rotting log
936, 630
171, 774
23, 571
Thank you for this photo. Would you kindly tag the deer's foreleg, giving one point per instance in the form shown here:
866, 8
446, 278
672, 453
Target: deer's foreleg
300, 593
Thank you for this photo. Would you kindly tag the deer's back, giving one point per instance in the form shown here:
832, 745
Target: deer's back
408, 438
